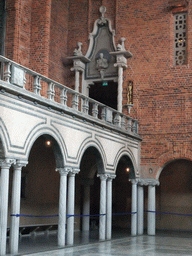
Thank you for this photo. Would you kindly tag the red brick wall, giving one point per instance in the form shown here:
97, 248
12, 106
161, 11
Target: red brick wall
162, 91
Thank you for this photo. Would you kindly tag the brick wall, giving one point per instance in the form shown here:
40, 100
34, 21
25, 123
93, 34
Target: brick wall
42, 33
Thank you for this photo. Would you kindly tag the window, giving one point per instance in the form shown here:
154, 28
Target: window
180, 48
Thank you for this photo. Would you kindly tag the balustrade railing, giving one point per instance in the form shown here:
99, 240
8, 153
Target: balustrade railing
20, 76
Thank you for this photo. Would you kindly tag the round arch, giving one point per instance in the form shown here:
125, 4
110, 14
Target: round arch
129, 154
169, 161
56, 140
97, 146
174, 194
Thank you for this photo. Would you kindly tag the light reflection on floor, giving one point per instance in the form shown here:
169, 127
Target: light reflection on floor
171, 243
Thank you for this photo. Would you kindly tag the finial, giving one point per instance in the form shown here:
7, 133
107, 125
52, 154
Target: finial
102, 10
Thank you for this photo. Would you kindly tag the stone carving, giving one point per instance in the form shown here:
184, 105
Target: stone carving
102, 20
121, 47
78, 52
102, 64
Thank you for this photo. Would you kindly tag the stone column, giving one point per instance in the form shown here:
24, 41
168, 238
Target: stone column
86, 208
140, 207
15, 206
71, 206
102, 217
121, 55
4, 189
151, 217
134, 208
120, 89
62, 205
109, 205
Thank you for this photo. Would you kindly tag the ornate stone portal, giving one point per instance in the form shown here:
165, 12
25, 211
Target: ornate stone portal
103, 60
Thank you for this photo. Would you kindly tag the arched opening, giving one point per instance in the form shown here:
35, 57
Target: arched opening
174, 196
88, 194
122, 196
40, 188
104, 92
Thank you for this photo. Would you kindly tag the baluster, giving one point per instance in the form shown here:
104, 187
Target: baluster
63, 97
24, 79
85, 106
75, 101
117, 120
135, 124
123, 122
95, 110
36, 85
129, 120
51, 91
103, 113
7, 73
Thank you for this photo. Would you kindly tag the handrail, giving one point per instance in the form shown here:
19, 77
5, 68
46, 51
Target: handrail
14, 73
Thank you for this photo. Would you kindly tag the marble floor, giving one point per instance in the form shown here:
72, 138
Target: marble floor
161, 244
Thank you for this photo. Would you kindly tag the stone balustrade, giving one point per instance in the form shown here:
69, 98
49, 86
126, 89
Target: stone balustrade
43, 90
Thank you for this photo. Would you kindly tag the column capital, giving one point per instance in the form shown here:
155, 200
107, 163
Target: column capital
133, 181
102, 176
64, 170
148, 182
6, 163
74, 171
19, 164
110, 176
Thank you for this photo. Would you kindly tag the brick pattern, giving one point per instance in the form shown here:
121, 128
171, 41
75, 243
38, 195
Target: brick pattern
162, 94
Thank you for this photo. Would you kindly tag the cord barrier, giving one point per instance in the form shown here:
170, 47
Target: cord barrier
126, 213
182, 214
34, 216
52, 216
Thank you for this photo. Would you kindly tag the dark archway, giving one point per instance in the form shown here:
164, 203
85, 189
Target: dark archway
104, 92
122, 194
174, 196
87, 182
40, 182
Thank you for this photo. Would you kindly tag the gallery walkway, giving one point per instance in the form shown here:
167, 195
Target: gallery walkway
161, 244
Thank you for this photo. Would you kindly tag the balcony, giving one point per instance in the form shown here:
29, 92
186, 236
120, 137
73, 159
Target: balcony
31, 86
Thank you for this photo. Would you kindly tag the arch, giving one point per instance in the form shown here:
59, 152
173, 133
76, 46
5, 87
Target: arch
169, 161
174, 195
2, 146
97, 146
127, 153
58, 144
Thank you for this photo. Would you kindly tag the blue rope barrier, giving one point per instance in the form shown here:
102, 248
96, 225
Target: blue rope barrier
171, 213
126, 213
95, 215
68, 216
34, 216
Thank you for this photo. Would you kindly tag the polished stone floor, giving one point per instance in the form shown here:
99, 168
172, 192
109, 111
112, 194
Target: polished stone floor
162, 244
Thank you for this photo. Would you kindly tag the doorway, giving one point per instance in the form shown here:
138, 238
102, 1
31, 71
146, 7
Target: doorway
104, 92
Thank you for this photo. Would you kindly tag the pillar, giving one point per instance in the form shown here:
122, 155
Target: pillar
151, 210
134, 208
62, 205
120, 89
86, 208
140, 207
109, 206
71, 206
15, 206
4, 189
102, 217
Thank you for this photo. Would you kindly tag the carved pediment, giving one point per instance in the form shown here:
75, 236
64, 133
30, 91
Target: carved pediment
101, 65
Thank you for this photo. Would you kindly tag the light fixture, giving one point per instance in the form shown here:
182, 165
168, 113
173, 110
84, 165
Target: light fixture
127, 169
48, 143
